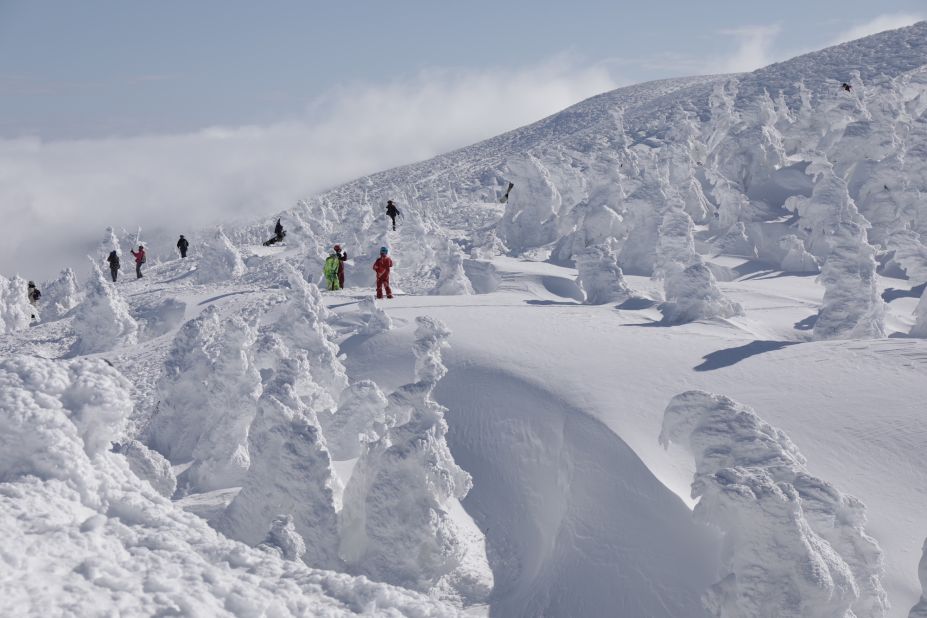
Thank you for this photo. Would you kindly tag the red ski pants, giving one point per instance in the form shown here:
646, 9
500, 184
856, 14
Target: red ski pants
383, 282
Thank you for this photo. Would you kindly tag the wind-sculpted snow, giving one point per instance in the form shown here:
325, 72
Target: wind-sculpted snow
150, 466
793, 544
219, 260
290, 474
208, 393
374, 317
601, 277
82, 535
102, 321
395, 522
15, 310
360, 418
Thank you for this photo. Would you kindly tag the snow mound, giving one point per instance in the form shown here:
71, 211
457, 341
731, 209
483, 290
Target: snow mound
452, 279
373, 317
793, 544
102, 321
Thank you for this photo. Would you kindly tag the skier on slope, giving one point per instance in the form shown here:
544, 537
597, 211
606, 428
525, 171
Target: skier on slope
382, 267
183, 245
113, 260
139, 260
392, 211
330, 270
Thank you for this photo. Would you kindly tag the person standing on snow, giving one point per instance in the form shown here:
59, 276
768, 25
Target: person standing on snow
382, 267
34, 295
113, 260
342, 258
392, 211
182, 244
330, 270
139, 260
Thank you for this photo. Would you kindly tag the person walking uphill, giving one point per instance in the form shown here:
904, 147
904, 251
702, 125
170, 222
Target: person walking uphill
382, 267
113, 260
183, 245
139, 260
392, 211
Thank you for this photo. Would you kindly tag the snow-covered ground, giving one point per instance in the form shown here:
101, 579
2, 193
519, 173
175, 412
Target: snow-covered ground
624, 392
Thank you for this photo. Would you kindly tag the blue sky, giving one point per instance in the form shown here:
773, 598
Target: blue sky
176, 115
97, 67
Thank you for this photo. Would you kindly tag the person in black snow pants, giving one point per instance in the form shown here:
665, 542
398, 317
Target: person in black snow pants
391, 212
113, 260
182, 245
139, 260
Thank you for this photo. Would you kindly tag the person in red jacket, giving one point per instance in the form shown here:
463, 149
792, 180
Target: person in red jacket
139, 260
382, 266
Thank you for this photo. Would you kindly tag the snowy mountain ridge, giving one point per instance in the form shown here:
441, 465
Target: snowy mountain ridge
221, 437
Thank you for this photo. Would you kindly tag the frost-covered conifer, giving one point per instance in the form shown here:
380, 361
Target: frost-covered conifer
395, 521
360, 417
102, 321
208, 393
920, 610
793, 544
920, 318
530, 218
374, 317
219, 260
601, 277
283, 541
452, 280
150, 466
290, 474
796, 258
61, 295
15, 310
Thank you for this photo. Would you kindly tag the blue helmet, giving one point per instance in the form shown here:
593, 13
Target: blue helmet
384, 250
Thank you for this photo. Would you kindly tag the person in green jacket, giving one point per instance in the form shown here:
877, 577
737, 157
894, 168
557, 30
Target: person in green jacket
330, 270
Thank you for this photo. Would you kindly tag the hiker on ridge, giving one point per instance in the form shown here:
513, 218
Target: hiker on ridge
382, 267
279, 235
182, 244
392, 211
113, 260
139, 260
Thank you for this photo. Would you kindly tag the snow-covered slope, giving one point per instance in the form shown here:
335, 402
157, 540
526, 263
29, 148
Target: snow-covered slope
222, 437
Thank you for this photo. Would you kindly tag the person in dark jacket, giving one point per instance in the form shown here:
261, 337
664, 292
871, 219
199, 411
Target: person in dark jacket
139, 260
847, 87
391, 212
342, 258
279, 235
34, 294
182, 244
113, 260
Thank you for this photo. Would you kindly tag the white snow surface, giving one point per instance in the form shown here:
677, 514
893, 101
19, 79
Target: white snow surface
201, 440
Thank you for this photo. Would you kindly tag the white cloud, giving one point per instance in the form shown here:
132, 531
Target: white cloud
880, 23
56, 197
753, 51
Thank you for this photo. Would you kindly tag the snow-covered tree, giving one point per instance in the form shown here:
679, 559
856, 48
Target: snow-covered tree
920, 609
690, 289
150, 466
530, 218
110, 243
395, 522
796, 258
600, 276
793, 544
290, 474
61, 295
15, 310
208, 394
452, 280
219, 260
852, 307
283, 541
102, 321
920, 317
360, 417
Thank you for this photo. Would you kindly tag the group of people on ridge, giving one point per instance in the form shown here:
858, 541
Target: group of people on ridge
140, 258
